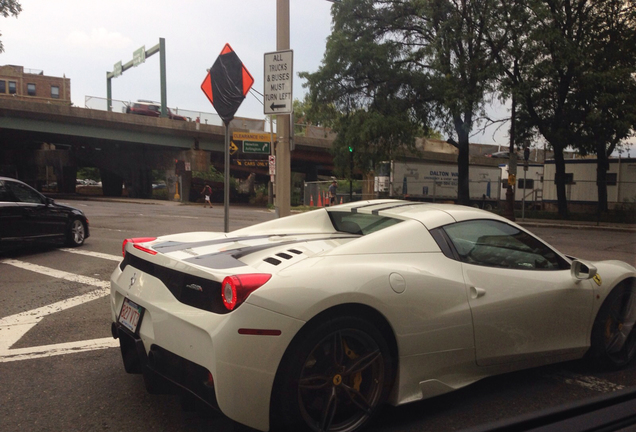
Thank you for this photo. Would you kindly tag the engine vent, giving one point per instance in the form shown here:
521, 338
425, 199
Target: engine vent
272, 261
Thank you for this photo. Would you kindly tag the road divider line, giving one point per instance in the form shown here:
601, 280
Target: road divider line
57, 349
93, 254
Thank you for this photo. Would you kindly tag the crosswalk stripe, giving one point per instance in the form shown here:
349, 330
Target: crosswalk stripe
57, 349
93, 254
14, 327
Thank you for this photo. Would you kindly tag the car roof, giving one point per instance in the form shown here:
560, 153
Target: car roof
432, 215
11, 179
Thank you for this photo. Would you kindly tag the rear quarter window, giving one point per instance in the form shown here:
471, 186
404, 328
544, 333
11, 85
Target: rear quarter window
360, 223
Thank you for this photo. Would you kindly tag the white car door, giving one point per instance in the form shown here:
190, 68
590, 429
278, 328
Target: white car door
524, 300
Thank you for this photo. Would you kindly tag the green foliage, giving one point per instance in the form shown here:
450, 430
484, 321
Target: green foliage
393, 70
211, 174
89, 173
9, 8
570, 64
160, 194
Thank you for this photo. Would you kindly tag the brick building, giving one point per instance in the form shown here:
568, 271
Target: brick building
33, 85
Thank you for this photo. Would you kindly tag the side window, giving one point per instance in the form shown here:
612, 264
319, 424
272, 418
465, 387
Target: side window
24, 193
4, 193
497, 244
12, 87
55, 92
3, 86
31, 89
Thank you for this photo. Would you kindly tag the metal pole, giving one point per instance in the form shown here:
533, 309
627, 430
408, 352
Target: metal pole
523, 200
283, 157
226, 177
270, 184
512, 167
162, 73
109, 93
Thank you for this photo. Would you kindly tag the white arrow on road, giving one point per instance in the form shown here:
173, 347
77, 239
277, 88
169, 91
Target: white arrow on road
14, 327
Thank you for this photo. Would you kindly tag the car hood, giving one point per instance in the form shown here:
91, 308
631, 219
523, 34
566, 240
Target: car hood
222, 253
65, 207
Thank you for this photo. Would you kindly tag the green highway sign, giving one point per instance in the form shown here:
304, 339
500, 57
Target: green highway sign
261, 147
139, 56
117, 69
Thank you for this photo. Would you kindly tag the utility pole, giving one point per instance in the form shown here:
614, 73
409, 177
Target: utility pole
283, 156
512, 167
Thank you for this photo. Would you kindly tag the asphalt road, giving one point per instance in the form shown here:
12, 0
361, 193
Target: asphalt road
64, 371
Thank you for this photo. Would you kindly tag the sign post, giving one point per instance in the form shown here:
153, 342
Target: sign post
139, 56
226, 85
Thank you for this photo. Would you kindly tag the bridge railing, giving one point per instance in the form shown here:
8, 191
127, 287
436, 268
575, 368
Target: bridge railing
100, 103
301, 129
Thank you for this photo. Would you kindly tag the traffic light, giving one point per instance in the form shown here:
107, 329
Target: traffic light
179, 167
350, 149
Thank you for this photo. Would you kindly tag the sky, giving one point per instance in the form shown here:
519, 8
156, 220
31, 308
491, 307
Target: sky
83, 39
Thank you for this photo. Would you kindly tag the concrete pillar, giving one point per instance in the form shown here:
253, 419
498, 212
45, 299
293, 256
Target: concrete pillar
111, 183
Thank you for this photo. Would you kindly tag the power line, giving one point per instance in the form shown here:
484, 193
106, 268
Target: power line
256, 97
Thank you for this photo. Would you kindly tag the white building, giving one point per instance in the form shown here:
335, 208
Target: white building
581, 186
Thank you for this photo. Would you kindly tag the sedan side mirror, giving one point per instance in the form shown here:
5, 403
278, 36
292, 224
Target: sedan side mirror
582, 270
49, 201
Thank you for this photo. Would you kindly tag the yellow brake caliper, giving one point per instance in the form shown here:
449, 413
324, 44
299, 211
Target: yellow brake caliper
357, 378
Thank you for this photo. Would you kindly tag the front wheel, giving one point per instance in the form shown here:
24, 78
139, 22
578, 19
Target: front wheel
76, 233
336, 377
613, 335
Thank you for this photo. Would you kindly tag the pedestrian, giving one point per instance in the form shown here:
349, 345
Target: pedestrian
332, 193
207, 192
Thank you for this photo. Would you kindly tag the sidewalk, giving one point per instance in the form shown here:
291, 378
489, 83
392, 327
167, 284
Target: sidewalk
587, 225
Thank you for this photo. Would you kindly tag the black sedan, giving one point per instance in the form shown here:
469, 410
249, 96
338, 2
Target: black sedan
27, 215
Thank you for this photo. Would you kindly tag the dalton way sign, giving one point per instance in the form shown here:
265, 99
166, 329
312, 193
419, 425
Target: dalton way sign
279, 70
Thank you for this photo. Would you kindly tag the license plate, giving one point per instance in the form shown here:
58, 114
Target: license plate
130, 315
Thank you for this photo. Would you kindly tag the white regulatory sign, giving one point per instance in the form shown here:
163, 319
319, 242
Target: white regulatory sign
279, 71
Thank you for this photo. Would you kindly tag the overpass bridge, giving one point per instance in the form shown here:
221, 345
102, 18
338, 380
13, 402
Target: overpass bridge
125, 147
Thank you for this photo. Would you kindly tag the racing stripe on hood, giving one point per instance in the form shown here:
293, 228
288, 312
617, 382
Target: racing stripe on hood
230, 258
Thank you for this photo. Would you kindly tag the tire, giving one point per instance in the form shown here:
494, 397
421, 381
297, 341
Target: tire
76, 233
613, 334
334, 377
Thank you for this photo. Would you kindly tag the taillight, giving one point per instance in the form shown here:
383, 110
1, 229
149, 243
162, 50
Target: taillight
235, 289
136, 240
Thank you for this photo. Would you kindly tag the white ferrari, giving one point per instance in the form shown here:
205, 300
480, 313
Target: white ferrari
313, 321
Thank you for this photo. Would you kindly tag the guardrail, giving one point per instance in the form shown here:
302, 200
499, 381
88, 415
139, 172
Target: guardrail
301, 129
99, 103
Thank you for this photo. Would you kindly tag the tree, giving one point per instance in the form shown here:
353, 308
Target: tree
607, 89
550, 54
393, 68
9, 8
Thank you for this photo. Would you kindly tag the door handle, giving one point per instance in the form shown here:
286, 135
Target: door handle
476, 292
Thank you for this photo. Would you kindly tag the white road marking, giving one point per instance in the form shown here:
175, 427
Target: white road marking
93, 254
57, 349
593, 383
14, 327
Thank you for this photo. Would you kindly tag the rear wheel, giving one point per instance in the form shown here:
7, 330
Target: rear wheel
336, 377
76, 233
613, 335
